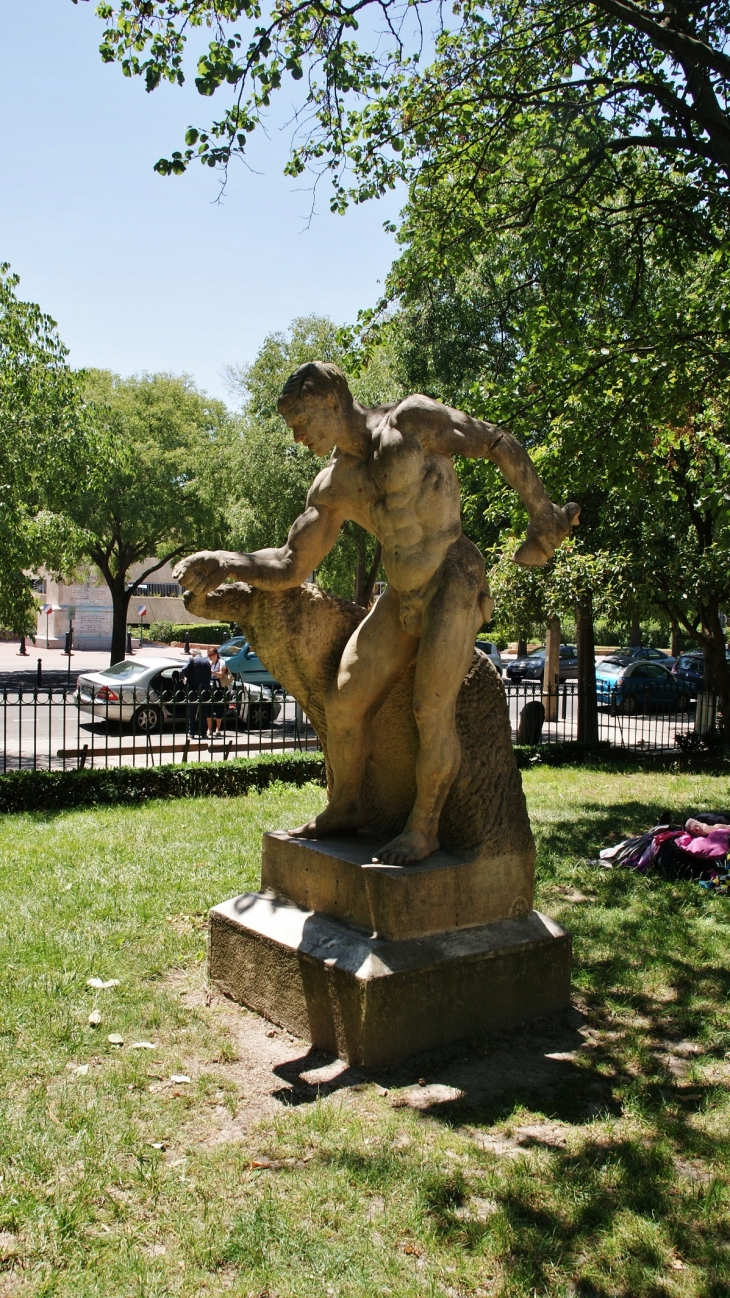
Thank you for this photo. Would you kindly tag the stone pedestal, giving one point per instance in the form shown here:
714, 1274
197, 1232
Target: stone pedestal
376, 962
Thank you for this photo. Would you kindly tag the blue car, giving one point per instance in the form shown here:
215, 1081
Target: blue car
241, 660
638, 687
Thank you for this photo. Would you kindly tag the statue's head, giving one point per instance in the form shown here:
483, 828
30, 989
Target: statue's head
315, 401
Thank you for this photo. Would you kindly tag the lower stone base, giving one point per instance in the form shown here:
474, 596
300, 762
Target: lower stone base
373, 1001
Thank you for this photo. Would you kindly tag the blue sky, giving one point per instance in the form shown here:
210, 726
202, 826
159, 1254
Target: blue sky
145, 273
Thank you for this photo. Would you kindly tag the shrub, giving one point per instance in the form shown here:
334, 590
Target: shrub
164, 632
200, 632
57, 790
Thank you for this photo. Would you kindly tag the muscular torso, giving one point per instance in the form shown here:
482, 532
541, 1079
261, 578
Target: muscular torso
404, 495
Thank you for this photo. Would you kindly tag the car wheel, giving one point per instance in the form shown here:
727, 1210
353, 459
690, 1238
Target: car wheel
628, 705
683, 702
260, 716
146, 719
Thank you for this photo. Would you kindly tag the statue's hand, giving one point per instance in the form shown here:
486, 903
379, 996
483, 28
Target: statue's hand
545, 532
199, 573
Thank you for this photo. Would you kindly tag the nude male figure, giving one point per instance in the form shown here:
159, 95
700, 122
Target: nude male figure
391, 471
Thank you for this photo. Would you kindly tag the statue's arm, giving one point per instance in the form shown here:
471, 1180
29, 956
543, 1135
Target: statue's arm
310, 538
452, 432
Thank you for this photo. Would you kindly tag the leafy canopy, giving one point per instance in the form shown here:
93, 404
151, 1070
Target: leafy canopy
592, 78
40, 443
147, 489
602, 337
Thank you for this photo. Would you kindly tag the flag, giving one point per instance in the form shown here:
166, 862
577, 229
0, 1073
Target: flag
142, 610
47, 608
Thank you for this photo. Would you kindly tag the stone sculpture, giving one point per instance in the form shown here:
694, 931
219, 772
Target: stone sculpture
391, 471
301, 634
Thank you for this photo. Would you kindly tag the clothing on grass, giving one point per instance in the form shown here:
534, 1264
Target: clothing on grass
676, 851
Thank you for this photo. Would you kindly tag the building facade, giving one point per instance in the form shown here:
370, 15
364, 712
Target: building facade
86, 606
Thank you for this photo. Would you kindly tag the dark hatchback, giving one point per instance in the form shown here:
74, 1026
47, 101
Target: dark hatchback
689, 671
639, 654
532, 666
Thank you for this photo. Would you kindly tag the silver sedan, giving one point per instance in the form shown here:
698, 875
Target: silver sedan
147, 691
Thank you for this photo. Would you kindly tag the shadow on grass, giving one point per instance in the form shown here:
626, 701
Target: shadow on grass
600, 824
612, 1208
650, 978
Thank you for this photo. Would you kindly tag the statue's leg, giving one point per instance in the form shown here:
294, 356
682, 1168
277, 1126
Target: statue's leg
451, 618
375, 655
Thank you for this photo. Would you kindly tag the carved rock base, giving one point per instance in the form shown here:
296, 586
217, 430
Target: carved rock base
336, 980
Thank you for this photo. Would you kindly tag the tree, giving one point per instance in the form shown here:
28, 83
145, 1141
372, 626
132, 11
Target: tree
603, 339
576, 584
521, 595
677, 546
271, 474
149, 487
39, 443
657, 76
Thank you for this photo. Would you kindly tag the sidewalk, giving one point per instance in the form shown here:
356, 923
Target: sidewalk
82, 660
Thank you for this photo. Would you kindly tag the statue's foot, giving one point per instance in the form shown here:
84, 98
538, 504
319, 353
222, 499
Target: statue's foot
408, 847
333, 820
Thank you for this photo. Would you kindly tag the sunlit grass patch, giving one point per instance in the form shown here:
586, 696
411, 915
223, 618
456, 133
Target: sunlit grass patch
609, 1178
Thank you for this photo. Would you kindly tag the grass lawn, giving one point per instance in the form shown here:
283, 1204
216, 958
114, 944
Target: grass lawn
585, 1157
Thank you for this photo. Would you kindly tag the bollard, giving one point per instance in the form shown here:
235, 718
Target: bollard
532, 720
39, 676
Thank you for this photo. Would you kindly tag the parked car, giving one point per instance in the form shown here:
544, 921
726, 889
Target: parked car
532, 666
689, 671
489, 648
241, 660
638, 687
147, 691
638, 653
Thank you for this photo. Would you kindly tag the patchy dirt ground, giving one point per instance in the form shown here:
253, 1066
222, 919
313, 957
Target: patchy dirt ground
547, 1066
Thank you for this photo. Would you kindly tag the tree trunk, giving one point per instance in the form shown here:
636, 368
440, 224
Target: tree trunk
635, 637
717, 676
674, 647
358, 592
587, 703
372, 575
120, 605
551, 672
365, 581
521, 648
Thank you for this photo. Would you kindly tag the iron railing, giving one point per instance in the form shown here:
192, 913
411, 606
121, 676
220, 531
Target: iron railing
642, 720
50, 727
56, 728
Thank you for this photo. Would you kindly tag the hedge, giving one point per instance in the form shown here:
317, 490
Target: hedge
714, 759
216, 633
57, 790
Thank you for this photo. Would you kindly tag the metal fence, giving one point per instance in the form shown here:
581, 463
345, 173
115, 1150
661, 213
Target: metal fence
53, 728
637, 722
56, 729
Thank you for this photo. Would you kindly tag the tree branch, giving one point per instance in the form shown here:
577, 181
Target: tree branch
683, 45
